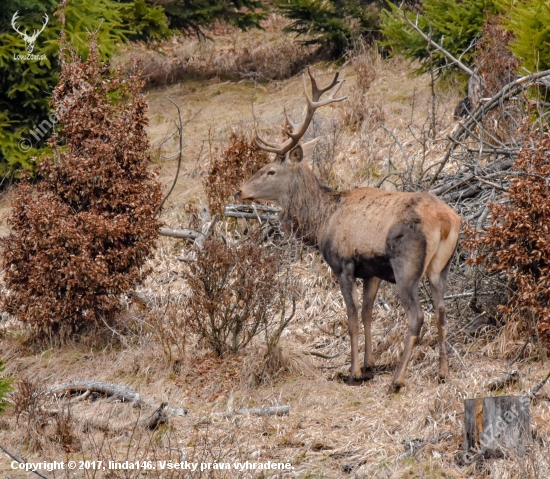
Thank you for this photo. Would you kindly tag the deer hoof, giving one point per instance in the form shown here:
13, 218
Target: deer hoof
394, 388
441, 378
367, 373
355, 380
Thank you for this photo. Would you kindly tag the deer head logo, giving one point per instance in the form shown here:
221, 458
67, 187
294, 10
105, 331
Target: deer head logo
29, 39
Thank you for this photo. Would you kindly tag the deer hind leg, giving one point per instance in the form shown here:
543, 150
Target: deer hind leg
438, 286
370, 288
348, 287
407, 276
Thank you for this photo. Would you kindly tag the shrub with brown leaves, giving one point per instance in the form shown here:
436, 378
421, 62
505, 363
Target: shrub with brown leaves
80, 236
495, 62
228, 170
517, 244
236, 293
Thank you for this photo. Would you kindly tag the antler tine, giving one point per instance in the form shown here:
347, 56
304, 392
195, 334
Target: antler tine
289, 121
262, 141
272, 147
46, 19
295, 131
38, 32
13, 19
331, 98
315, 90
299, 129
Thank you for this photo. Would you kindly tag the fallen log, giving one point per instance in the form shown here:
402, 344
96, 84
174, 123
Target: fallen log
108, 425
114, 390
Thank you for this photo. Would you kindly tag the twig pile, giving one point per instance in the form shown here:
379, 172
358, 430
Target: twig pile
483, 149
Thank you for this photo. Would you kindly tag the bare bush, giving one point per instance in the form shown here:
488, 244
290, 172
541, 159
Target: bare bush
230, 168
29, 410
330, 133
81, 235
358, 107
236, 292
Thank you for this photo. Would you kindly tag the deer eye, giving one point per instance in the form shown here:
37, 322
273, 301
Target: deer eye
270, 173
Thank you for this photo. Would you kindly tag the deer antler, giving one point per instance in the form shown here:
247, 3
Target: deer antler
13, 19
38, 32
295, 131
34, 36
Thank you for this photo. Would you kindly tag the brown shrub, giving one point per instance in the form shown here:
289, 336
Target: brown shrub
236, 293
28, 400
230, 168
495, 62
517, 244
81, 235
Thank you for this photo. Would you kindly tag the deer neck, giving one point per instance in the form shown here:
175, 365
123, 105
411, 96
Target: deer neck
307, 205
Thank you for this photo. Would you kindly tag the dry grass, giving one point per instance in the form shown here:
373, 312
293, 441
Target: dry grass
333, 430
234, 55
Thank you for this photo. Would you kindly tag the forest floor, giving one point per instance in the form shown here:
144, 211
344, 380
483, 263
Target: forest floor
333, 430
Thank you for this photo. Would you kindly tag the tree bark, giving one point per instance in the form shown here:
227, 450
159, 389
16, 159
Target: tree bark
497, 425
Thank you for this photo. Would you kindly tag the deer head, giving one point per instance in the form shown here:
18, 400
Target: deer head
30, 40
272, 181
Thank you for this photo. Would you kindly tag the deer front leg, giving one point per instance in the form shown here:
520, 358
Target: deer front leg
348, 287
370, 288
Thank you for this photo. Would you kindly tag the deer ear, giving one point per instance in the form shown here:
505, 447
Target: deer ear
296, 154
309, 147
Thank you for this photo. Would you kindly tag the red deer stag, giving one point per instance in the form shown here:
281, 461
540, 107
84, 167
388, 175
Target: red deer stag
363, 233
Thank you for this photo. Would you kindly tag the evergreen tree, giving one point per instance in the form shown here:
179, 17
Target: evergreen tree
26, 84
529, 21
334, 25
455, 25
194, 15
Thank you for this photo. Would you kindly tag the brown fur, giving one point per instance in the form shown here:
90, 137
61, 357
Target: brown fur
362, 233
371, 234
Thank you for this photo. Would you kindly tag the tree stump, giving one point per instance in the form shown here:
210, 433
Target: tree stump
497, 425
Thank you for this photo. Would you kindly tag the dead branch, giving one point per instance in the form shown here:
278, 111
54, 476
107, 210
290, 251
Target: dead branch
458, 63
159, 417
183, 234
207, 228
505, 380
20, 461
321, 355
114, 390
259, 212
540, 385
261, 411
179, 128
465, 128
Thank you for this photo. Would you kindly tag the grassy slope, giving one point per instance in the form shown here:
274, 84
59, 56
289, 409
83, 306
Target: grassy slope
331, 426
